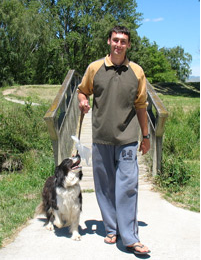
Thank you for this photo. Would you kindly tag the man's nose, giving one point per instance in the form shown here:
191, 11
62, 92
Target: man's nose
119, 43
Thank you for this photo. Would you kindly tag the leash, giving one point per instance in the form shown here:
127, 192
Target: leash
80, 126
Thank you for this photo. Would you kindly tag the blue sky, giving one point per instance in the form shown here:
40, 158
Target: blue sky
172, 23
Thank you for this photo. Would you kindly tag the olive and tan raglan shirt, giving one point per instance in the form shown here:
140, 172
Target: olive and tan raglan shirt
118, 91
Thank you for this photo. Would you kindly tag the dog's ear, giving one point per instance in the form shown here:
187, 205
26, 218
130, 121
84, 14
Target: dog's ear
56, 171
59, 176
80, 175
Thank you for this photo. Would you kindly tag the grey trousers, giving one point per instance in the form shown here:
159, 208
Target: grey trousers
115, 170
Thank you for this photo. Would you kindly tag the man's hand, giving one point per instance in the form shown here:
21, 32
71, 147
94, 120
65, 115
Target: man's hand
83, 103
144, 146
143, 121
84, 106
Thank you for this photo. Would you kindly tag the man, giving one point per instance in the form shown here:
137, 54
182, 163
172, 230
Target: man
119, 89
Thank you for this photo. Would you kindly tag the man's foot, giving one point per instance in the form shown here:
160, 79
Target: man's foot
110, 239
138, 248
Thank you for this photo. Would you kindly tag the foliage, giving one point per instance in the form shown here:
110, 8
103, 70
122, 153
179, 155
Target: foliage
23, 32
26, 160
179, 180
175, 173
183, 128
156, 66
180, 146
41, 40
179, 61
20, 192
16, 137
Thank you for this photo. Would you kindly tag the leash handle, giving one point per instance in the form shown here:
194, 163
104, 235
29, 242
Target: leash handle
80, 126
81, 120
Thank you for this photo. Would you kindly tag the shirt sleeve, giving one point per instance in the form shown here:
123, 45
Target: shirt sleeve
141, 97
86, 85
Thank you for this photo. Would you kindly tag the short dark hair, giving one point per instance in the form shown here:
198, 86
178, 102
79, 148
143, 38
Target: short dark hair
120, 29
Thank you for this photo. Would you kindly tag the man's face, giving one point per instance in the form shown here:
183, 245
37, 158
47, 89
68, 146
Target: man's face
118, 43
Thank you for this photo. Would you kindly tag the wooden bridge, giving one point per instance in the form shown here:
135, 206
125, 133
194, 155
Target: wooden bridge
62, 120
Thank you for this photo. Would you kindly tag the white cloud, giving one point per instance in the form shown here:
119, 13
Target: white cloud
146, 20
158, 19
155, 20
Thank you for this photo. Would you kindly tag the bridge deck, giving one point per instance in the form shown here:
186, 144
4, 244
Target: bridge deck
86, 140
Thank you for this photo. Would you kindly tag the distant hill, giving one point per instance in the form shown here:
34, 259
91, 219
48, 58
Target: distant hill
193, 79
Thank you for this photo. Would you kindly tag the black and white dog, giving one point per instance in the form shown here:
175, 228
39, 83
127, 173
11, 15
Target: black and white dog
62, 198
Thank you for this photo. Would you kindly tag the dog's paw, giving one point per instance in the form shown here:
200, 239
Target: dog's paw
76, 236
50, 226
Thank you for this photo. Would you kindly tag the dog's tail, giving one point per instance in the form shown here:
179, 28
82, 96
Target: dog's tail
40, 209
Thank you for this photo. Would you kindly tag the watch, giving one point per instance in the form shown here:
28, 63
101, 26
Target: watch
146, 136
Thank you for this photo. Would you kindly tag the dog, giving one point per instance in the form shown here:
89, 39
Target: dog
62, 197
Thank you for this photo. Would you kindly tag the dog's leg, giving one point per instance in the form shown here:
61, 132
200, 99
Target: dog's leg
58, 221
75, 234
50, 225
74, 228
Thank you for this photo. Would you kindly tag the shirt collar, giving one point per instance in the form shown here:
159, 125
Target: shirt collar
108, 62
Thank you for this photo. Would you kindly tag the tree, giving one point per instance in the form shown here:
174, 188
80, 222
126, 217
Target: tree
83, 25
41, 40
23, 30
179, 60
155, 64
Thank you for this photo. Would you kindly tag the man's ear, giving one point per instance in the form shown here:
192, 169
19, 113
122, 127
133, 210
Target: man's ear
129, 45
108, 41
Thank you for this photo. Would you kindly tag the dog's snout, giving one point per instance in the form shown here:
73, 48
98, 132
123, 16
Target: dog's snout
76, 160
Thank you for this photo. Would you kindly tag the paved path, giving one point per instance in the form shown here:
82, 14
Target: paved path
170, 232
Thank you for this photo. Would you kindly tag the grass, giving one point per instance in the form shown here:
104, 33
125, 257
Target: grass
189, 195
179, 180
35, 93
26, 157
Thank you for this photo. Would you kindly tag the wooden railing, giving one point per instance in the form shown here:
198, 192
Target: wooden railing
157, 115
62, 117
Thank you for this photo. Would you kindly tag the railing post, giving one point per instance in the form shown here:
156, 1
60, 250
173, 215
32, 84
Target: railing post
62, 117
157, 115
159, 144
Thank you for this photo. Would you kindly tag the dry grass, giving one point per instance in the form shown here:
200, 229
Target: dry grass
45, 93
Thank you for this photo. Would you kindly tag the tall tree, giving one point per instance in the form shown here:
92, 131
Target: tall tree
23, 29
41, 40
179, 60
156, 66
83, 26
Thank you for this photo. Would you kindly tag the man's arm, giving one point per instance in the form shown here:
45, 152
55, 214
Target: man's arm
143, 121
83, 103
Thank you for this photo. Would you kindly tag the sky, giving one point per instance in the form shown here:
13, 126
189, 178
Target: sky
172, 23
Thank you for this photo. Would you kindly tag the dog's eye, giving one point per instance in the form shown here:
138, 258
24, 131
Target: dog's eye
66, 165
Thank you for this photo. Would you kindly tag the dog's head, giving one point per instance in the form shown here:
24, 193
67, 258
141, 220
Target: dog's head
69, 172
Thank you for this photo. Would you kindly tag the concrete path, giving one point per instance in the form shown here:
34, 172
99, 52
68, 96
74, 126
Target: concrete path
169, 232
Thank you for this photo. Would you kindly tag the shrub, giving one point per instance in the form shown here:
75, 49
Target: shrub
22, 129
26, 160
182, 134
175, 173
181, 144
